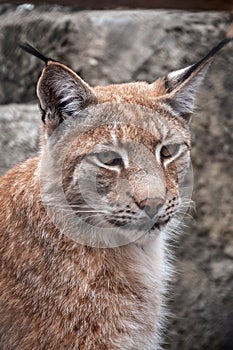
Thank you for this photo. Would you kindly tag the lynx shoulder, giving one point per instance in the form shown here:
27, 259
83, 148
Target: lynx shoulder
84, 226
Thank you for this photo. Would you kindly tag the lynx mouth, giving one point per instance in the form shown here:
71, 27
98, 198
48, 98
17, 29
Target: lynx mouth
148, 226
159, 225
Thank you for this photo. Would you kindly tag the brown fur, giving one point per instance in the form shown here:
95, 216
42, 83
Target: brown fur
55, 290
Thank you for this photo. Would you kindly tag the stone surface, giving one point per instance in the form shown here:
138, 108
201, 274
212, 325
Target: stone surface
19, 139
112, 47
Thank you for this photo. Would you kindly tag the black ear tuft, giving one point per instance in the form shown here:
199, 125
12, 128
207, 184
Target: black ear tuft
207, 58
32, 51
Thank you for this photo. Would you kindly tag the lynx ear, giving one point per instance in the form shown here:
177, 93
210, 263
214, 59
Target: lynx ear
181, 87
178, 89
62, 94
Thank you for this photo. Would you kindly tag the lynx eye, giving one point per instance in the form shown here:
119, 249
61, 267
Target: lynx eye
109, 158
169, 151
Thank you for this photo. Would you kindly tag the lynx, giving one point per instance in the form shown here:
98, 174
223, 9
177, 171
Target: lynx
84, 226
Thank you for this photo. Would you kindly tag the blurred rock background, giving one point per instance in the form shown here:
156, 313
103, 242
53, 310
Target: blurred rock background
114, 47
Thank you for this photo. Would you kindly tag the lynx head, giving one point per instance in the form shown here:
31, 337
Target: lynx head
114, 157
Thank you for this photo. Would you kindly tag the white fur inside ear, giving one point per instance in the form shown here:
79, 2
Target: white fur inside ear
177, 73
70, 101
69, 95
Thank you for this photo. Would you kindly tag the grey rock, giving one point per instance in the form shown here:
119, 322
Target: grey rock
19, 138
114, 47
102, 47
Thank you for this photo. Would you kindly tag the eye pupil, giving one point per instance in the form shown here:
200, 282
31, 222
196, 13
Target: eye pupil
115, 161
169, 151
165, 152
109, 158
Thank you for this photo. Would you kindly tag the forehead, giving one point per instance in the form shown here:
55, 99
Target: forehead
113, 122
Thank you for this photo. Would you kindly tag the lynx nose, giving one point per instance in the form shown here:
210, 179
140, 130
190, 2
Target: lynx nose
151, 206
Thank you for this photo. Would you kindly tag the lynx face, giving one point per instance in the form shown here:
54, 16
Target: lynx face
121, 165
114, 157
129, 176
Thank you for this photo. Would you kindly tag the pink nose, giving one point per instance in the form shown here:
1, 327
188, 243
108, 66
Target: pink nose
151, 206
